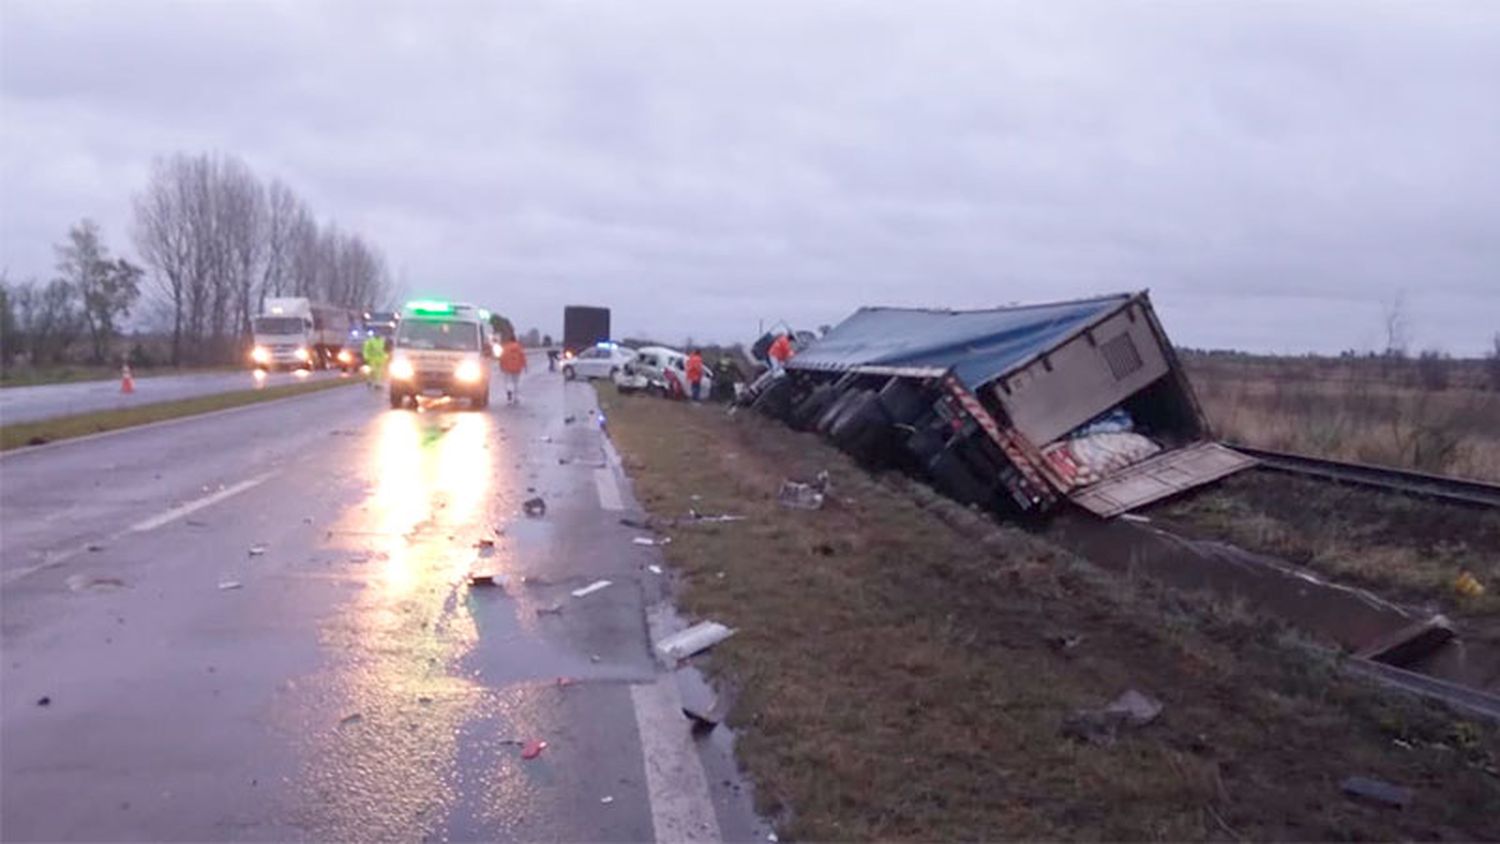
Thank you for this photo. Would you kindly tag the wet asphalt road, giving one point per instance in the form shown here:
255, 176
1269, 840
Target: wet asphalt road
47, 401
342, 680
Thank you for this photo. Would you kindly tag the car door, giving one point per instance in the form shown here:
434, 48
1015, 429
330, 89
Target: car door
587, 363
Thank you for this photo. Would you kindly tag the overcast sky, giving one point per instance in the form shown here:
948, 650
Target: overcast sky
1276, 173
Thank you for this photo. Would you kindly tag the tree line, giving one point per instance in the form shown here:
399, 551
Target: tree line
214, 241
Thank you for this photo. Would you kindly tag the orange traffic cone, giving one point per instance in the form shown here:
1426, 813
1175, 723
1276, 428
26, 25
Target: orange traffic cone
127, 381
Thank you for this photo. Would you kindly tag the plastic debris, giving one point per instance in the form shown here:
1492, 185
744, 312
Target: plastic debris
699, 637
1377, 791
654, 569
1136, 708
771, 837
1468, 585
533, 749
591, 588
535, 507
647, 540
257, 550
230, 584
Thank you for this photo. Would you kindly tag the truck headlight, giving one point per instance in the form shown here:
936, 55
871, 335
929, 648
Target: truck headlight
301, 353
401, 369
468, 372
260, 354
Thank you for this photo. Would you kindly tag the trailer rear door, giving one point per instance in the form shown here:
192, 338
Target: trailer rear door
1156, 478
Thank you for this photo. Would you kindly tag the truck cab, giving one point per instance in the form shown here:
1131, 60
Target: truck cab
441, 349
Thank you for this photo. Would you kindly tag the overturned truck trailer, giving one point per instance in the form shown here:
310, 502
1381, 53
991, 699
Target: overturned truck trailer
1012, 409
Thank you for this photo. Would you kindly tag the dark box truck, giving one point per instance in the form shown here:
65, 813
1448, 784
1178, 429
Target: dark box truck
1013, 409
584, 326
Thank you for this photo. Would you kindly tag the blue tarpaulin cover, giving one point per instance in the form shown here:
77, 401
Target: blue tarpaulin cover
977, 346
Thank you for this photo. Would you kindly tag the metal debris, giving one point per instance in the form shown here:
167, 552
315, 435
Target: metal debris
800, 496
484, 543
486, 579
647, 540
717, 517
535, 507
699, 637
533, 749
230, 584
555, 609
591, 588
350, 720
654, 569
257, 550
1377, 791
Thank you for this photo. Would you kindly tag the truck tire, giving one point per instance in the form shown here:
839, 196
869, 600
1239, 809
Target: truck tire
810, 408
835, 409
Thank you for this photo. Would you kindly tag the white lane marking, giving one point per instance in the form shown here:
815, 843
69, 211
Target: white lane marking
675, 782
60, 557
609, 491
194, 506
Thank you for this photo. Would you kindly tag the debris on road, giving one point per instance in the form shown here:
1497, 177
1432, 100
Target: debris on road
533, 749
80, 582
535, 507
1135, 517
1065, 641
654, 569
1377, 791
555, 609
484, 543
568, 420
230, 584
95, 547
704, 708
350, 720
638, 524
257, 550
606, 799
646, 540
44, 700
486, 579
591, 588
699, 637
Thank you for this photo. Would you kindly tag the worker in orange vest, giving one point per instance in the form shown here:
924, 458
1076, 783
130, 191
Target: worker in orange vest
512, 364
695, 374
780, 352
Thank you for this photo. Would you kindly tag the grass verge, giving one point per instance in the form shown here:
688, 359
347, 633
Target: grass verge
75, 374
67, 427
903, 671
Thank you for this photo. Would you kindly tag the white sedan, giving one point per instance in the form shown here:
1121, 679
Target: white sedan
605, 360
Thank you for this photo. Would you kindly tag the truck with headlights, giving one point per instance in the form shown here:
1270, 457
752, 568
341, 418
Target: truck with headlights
297, 333
441, 349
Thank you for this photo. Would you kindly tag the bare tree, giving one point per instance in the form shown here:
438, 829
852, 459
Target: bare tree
106, 287
283, 210
1397, 325
164, 240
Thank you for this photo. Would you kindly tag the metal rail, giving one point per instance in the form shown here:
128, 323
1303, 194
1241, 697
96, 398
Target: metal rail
1442, 487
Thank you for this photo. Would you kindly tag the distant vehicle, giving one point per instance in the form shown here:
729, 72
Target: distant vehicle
296, 333
661, 370
604, 360
442, 349
584, 326
382, 323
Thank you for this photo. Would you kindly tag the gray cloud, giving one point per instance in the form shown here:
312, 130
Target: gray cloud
1274, 172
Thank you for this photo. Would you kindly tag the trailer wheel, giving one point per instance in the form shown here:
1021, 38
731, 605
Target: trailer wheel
810, 408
